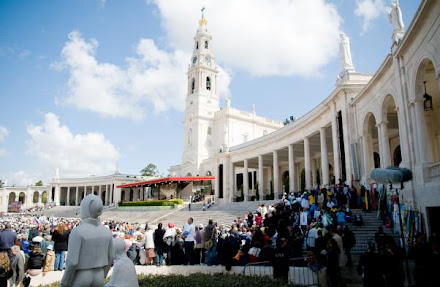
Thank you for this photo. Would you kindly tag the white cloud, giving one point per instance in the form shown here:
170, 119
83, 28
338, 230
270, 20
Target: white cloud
264, 37
76, 155
19, 178
3, 133
154, 77
369, 10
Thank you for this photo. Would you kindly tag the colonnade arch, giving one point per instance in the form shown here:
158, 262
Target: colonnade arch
370, 144
427, 120
35, 197
22, 197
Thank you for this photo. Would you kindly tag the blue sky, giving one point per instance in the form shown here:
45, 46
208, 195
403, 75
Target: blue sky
88, 85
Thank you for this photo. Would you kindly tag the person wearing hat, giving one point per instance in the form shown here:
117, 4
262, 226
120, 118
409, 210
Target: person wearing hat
49, 260
199, 251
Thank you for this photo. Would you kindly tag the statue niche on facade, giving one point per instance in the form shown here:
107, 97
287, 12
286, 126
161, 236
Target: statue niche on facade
90, 248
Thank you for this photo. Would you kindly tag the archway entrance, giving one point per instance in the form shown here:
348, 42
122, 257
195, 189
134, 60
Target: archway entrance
22, 198
35, 197
371, 145
44, 197
392, 133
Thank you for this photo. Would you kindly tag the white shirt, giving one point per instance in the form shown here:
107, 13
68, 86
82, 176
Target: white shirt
191, 232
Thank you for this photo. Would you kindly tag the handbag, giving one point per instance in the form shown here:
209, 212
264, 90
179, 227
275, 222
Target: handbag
209, 243
26, 281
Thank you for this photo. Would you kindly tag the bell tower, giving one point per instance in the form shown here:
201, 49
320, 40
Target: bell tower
201, 102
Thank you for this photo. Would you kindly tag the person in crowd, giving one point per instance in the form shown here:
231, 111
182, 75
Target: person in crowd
25, 245
211, 234
380, 238
46, 242
159, 244
280, 261
49, 260
349, 241
149, 244
340, 216
199, 251
169, 238
370, 267
188, 235
17, 266
7, 239
320, 247
61, 241
420, 253
332, 253
5, 269
35, 262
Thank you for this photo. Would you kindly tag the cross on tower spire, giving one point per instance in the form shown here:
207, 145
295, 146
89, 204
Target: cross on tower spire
203, 10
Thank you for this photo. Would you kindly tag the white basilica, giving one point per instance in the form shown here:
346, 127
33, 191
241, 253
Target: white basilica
390, 118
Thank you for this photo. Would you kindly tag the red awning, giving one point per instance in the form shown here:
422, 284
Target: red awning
166, 180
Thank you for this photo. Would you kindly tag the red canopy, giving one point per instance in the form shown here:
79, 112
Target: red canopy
166, 180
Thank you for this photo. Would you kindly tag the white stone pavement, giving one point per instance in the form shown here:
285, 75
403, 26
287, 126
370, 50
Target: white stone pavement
297, 275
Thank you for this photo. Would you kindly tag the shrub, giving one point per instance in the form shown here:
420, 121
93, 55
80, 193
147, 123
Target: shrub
170, 202
202, 280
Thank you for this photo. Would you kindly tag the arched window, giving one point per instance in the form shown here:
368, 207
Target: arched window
208, 83
206, 44
193, 85
197, 45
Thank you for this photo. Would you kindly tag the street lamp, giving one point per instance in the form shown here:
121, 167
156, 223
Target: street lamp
427, 100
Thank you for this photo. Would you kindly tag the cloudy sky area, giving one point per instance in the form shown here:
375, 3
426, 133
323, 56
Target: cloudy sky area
91, 86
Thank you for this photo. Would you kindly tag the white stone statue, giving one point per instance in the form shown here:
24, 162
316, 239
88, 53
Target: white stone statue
228, 102
395, 18
226, 135
124, 272
345, 53
57, 173
90, 248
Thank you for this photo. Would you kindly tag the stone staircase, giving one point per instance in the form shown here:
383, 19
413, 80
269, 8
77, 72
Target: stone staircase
365, 233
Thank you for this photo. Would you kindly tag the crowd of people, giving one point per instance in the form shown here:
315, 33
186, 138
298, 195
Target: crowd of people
308, 225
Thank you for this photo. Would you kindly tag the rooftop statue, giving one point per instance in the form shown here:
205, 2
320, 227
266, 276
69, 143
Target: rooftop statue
90, 248
345, 53
395, 18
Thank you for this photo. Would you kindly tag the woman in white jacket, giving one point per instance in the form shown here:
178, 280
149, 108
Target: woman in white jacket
149, 244
169, 238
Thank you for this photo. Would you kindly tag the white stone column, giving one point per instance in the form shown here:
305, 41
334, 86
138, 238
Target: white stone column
99, 191
260, 176
336, 153
107, 187
76, 195
291, 169
385, 160
276, 175
57, 194
421, 132
246, 180
85, 192
110, 196
68, 196
366, 139
325, 175
307, 164
231, 181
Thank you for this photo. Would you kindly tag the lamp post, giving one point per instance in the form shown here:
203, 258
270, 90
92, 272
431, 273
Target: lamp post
427, 100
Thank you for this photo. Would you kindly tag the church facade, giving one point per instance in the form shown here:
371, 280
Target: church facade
389, 118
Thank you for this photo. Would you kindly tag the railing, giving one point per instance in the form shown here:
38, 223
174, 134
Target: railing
303, 271
434, 172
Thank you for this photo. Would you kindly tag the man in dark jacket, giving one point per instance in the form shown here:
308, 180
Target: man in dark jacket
211, 234
159, 244
7, 239
280, 261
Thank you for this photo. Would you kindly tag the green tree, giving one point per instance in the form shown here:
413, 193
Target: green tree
39, 183
150, 170
1, 183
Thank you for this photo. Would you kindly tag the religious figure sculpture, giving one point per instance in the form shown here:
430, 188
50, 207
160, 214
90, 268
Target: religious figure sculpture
345, 53
226, 136
395, 18
90, 248
228, 102
124, 272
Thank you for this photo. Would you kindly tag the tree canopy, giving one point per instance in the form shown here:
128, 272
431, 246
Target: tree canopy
150, 170
39, 183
